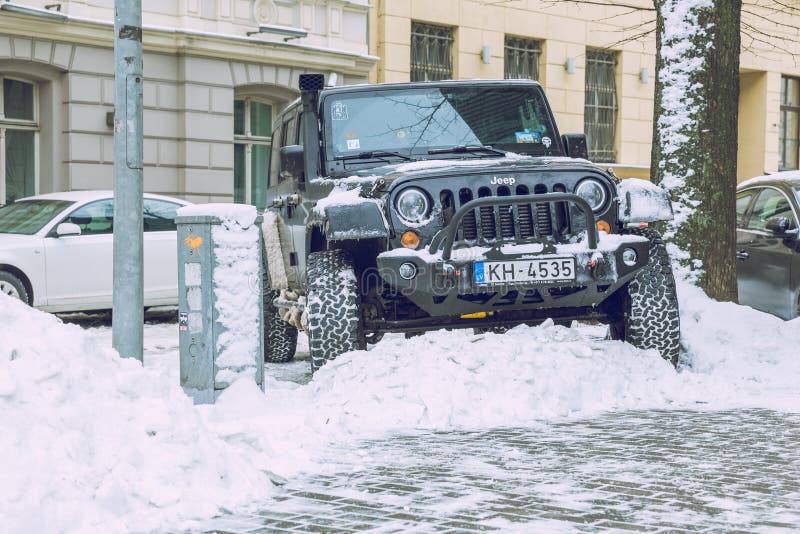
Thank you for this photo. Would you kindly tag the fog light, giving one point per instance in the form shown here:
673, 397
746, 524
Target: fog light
603, 226
629, 257
408, 271
409, 239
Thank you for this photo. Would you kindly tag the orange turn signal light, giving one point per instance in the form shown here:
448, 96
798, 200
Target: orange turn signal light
603, 226
409, 239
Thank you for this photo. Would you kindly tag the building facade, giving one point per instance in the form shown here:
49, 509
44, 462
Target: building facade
597, 65
216, 73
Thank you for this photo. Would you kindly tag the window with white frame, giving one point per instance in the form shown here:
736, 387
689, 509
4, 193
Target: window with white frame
252, 139
19, 132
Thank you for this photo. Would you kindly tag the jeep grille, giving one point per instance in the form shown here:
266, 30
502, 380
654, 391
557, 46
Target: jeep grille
514, 222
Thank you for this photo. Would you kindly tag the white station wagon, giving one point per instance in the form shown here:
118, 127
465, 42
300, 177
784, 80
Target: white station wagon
56, 250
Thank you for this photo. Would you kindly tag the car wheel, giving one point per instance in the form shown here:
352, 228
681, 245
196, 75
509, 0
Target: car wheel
334, 313
13, 287
280, 337
645, 312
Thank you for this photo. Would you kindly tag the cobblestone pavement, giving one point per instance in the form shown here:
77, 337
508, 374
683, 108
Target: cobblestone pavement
669, 471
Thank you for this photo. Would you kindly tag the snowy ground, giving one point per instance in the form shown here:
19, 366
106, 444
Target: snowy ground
93, 443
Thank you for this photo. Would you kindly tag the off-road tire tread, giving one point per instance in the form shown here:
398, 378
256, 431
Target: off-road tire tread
334, 317
653, 320
280, 338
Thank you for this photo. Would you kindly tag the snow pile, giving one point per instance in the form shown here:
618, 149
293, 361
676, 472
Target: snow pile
238, 300
91, 442
242, 215
96, 443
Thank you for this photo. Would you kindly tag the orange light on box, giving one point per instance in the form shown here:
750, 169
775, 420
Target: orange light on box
409, 239
603, 226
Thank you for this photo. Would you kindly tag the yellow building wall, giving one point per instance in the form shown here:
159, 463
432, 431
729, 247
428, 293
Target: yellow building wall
566, 30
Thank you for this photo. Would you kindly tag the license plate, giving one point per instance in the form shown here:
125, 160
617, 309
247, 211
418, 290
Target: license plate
539, 270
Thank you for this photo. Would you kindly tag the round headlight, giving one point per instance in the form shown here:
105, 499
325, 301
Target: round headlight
413, 205
593, 193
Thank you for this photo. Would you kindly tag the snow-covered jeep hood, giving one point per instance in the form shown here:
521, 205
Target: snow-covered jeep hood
437, 167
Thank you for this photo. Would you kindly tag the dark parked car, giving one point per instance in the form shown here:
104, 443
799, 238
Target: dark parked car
768, 245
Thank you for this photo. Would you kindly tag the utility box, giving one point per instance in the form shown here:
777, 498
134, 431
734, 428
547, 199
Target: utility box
220, 307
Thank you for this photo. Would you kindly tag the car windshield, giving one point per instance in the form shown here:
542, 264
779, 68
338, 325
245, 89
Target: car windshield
29, 216
411, 122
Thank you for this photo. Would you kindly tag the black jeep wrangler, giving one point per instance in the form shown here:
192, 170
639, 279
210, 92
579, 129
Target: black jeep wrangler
415, 207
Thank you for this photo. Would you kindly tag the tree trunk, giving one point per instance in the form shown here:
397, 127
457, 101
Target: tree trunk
695, 133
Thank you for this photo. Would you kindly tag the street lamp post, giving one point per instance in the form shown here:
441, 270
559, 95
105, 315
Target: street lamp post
128, 295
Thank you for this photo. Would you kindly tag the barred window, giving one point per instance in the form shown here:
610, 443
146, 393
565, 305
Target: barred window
789, 130
431, 52
522, 58
600, 110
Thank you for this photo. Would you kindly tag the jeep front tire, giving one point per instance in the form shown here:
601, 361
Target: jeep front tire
645, 312
334, 314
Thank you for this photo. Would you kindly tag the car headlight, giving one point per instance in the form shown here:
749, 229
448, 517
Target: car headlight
593, 192
413, 205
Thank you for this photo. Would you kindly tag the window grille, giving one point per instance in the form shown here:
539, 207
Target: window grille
522, 58
789, 129
431, 52
600, 110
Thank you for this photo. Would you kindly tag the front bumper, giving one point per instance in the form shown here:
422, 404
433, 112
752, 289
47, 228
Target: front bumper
445, 283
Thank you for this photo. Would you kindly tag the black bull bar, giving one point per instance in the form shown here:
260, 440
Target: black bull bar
445, 239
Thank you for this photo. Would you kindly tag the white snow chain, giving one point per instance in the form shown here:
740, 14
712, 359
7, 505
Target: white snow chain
292, 308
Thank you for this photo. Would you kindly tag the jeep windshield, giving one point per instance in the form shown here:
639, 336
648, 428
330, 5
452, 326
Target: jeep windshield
476, 121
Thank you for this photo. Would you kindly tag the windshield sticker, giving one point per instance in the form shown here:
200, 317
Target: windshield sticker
546, 142
353, 144
339, 111
527, 137
401, 134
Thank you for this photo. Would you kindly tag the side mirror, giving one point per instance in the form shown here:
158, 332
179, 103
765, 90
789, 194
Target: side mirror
778, 225
575, 145
292, 162
67, 229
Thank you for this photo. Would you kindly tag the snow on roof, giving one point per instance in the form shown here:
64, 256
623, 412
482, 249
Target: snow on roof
242, 214
82, 196
790, 176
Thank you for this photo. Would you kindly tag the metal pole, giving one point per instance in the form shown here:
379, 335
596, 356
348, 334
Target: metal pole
128, 297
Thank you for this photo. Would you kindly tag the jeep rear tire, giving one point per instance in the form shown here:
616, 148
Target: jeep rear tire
645, 312
280, 338
334, 314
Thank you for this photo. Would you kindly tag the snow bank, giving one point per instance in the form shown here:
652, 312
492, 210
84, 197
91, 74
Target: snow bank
95, 443
238, 301
91, 442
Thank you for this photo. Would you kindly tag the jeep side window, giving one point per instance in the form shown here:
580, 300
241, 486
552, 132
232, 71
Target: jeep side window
275, 157
300, 129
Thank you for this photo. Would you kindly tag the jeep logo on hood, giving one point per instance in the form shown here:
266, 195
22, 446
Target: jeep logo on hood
502, 181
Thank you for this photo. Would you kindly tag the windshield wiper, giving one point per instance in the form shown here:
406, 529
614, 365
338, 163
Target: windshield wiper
372, 154
467, 149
